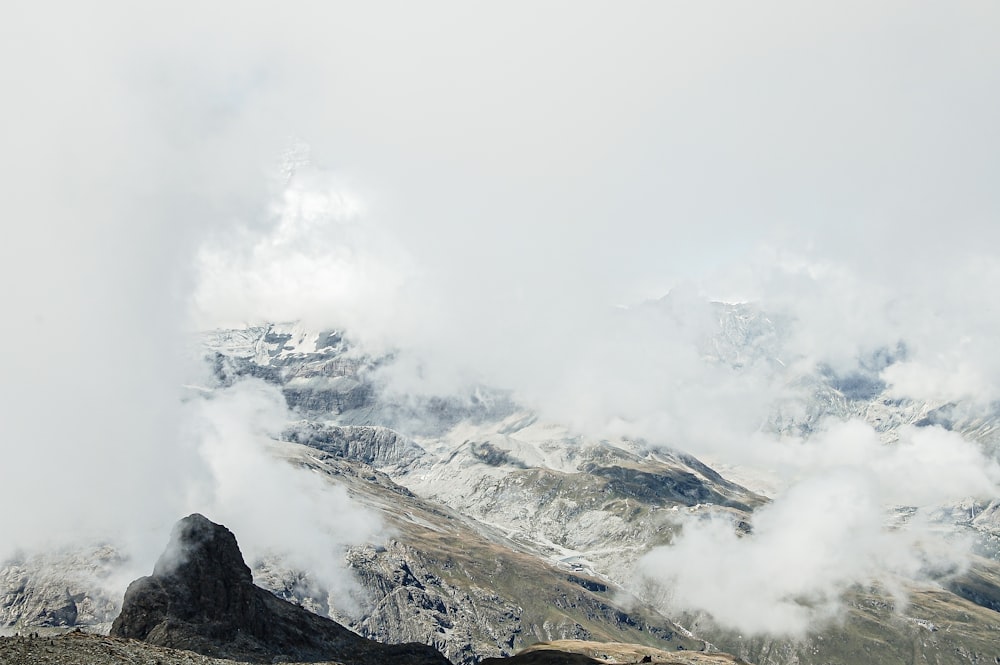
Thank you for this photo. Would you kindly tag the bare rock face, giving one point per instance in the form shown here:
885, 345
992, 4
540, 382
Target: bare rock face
201, 597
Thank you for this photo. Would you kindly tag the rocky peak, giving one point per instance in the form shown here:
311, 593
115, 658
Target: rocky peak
201, 597
198, 546
205, 572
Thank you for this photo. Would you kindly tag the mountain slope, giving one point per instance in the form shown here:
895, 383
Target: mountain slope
507, 530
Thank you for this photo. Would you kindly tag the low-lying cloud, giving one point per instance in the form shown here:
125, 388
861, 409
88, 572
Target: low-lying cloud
832, 527
819, 539
276, 510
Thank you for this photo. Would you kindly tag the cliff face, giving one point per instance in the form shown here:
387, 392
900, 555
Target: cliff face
201, 597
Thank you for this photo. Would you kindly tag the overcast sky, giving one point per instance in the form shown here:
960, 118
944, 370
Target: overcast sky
486, 184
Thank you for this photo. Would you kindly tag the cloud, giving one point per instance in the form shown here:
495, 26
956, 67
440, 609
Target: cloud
926, 466
276, 510
488, 187
321, 262
813, 543
136, 139
827, 531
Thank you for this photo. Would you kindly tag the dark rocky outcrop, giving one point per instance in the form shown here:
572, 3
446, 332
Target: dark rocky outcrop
201, 597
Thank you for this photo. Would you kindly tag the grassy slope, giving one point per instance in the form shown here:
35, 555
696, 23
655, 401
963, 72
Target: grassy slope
466, 556
936, 627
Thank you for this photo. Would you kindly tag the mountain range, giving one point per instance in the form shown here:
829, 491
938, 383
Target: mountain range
507, 530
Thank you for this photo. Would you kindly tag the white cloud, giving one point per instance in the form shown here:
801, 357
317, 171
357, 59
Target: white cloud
520, 173
823, 536
321, 262
275, 509
827, 531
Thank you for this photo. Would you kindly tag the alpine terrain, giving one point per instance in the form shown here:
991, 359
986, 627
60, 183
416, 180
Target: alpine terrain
507, 530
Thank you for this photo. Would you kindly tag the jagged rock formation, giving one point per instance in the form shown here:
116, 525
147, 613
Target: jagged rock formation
380, 447
201, 597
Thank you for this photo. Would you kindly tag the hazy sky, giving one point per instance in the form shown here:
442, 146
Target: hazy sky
486, 184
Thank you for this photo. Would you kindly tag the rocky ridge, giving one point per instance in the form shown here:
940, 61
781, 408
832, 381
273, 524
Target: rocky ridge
464, 586
201, 598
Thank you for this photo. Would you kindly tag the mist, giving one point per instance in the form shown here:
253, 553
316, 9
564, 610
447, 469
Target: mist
853, 513
501, 197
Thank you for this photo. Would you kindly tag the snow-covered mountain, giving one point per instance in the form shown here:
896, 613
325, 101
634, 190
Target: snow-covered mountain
508, 529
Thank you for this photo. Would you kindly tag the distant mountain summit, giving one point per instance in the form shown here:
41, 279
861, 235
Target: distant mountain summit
201, 597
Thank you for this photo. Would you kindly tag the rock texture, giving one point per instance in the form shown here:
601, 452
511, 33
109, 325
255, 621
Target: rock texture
79, 648
380, 447
61, 588
461, 586
201, 597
